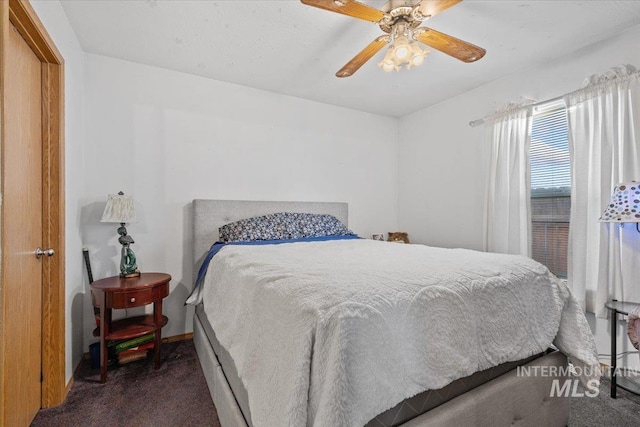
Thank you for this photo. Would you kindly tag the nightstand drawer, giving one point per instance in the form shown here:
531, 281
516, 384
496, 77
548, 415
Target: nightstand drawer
130, 298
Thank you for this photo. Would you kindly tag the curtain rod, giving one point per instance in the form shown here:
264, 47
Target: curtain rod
623, 72
481, 121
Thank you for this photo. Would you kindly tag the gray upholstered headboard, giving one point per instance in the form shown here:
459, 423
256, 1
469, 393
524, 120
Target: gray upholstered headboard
210, 215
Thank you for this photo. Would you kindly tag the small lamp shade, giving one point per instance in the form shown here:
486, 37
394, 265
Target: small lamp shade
624, 205
119, 209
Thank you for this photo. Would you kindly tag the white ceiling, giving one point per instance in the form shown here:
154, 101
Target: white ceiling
293, 49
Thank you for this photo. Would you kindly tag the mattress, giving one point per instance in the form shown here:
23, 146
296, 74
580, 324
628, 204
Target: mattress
404, 411
337, 332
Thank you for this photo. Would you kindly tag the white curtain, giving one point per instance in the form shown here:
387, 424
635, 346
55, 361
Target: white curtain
507, 225
604, 122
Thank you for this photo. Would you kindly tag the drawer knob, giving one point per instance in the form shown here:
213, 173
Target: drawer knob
133, 300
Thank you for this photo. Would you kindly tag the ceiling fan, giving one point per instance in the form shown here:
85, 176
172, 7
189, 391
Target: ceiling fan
401, 20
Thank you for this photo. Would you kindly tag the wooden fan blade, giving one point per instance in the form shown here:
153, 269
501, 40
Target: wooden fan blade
348, 7
365, 55
452, 46
431, 8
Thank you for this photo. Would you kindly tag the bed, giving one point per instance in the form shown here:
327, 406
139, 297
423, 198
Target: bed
493, 396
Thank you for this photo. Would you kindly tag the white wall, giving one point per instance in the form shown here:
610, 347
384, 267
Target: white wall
55, 21
167, 138
441, 175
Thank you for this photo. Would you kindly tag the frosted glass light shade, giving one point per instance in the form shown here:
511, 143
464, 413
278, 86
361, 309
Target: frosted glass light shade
417, 55
624, 205
388, 63
119, 209
402, 47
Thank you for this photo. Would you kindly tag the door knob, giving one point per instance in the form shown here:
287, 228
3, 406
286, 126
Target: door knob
47, 252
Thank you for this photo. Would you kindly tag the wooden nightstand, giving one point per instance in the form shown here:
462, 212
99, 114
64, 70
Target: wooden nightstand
116, 292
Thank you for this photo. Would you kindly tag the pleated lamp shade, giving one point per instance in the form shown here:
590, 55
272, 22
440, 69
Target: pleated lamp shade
119, 209
624, 205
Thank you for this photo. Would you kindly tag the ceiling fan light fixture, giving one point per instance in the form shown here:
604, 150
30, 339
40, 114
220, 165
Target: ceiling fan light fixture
403, 51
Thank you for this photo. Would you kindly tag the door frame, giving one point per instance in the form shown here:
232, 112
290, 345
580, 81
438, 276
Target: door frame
21, 14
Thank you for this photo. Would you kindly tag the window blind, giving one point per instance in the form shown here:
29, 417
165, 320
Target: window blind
550, 189
549, 153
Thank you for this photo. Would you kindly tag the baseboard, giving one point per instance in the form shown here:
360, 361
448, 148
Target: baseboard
67, 388
175, 338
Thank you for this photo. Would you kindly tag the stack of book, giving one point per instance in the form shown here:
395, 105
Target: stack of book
133, 349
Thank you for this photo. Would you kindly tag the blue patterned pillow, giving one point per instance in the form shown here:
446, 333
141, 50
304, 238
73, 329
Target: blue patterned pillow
283, 225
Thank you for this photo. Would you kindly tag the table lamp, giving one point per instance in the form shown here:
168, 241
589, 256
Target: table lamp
624, 205
120, 210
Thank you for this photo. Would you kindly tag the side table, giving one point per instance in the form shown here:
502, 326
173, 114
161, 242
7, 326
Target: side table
117, 292
619, 307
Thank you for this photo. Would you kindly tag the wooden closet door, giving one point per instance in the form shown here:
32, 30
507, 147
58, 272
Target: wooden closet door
22, 233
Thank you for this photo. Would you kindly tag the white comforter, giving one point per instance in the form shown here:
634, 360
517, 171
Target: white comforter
334, 333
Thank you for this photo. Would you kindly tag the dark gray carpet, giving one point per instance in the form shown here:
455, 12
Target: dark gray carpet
604, 411
135, 394
177, 395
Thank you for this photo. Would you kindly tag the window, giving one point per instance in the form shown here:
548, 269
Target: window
550, 187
